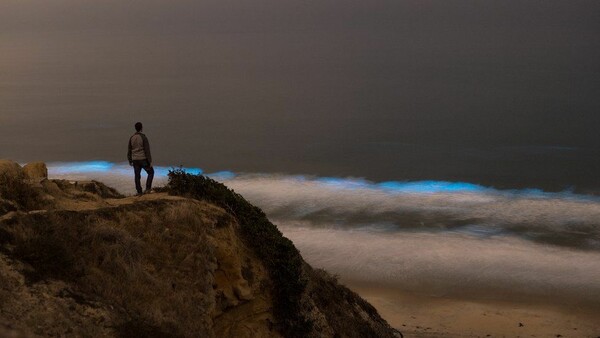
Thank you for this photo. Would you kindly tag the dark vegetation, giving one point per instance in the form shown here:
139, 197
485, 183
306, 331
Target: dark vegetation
278, 253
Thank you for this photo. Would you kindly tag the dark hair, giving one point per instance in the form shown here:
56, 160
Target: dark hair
138, 126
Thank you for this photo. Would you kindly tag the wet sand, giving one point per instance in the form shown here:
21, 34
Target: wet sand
430, 316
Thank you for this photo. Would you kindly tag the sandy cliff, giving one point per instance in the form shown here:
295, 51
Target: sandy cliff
78, 259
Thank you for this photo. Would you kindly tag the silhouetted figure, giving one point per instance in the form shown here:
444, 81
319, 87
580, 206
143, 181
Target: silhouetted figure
139, 157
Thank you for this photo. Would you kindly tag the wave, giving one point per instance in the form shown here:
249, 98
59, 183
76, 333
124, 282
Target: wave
564, 219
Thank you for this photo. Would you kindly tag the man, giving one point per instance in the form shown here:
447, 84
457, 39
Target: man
139, 157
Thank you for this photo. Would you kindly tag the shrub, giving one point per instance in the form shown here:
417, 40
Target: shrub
279, 255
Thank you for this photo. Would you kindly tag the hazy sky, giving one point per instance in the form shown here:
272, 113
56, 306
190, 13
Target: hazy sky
386, 89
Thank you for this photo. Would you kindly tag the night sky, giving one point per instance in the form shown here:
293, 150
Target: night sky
502, 93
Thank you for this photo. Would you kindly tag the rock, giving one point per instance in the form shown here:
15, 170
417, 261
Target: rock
35, 171
52, 188
11, 169
99, 189
201, 278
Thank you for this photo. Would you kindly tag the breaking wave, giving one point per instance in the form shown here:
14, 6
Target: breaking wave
564, 219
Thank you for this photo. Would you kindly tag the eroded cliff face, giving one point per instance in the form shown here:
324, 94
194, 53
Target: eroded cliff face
78, 259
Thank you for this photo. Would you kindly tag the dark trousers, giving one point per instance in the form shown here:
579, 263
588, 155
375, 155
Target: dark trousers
138, 165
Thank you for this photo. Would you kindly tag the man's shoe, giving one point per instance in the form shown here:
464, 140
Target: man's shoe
148, 191
138, 194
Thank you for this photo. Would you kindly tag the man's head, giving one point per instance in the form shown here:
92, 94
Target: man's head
138, 126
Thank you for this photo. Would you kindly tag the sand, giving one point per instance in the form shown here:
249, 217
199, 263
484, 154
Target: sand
418, 315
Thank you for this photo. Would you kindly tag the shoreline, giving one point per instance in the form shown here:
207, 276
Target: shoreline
417, 315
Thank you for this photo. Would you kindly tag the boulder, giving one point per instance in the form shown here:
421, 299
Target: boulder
35, 171
10, 170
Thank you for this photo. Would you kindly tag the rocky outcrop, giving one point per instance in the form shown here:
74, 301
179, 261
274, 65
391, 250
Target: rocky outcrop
11, 169
36, 171
91, 262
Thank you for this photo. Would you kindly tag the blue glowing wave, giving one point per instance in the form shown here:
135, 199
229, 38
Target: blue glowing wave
62, 168
403, 187
102, 169
437, 187
105, 167
431, 187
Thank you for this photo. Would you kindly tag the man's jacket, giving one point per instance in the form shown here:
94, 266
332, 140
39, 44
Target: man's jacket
139, 148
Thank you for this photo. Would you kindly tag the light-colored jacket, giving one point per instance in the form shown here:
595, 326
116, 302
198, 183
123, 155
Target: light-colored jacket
139, 148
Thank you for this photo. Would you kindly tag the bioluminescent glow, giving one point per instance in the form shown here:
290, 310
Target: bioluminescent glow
431, 187
401, 187
118, 175
61, 168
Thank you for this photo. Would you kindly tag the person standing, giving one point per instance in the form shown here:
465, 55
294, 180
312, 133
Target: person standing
138, 154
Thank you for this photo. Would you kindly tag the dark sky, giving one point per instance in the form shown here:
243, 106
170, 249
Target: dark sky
497, 92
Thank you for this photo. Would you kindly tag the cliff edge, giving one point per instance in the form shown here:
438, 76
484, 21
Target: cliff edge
193, 260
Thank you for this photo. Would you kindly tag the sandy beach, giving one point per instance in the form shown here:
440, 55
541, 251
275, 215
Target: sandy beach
429, 316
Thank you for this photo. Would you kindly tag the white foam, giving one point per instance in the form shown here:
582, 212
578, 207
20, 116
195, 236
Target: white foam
452, 264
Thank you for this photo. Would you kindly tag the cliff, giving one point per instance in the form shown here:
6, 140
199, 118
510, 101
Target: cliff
194, 260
